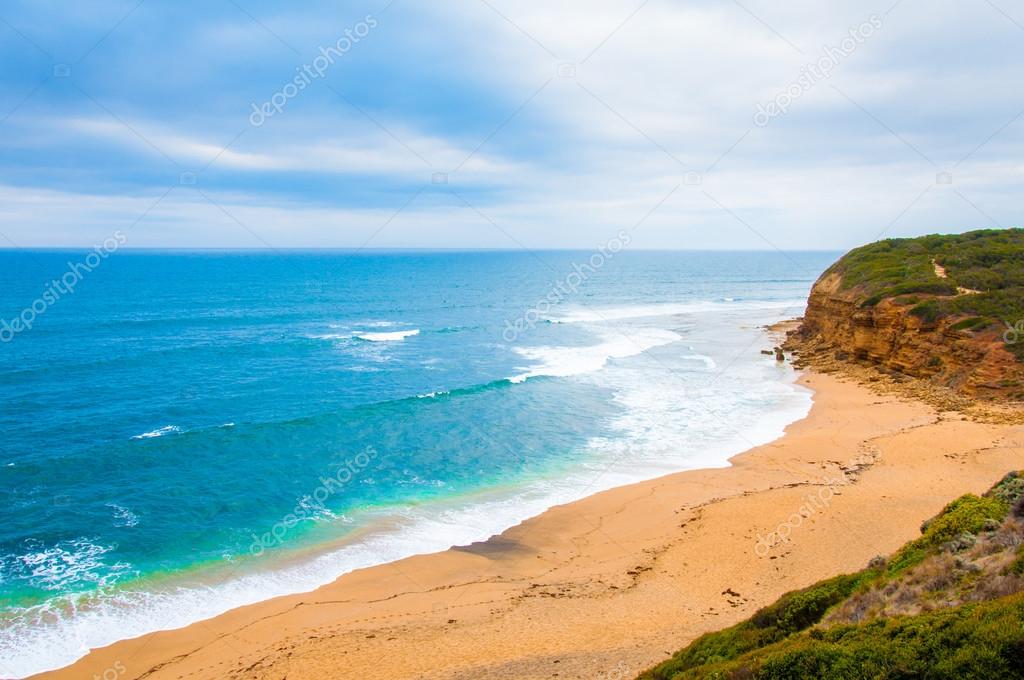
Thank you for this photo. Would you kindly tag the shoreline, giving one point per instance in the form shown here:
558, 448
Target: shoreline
612, 582
382, 534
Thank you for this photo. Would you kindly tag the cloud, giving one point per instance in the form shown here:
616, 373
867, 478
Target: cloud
561, 123
359, 151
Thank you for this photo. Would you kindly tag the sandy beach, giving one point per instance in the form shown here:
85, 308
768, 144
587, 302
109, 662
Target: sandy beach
606, 586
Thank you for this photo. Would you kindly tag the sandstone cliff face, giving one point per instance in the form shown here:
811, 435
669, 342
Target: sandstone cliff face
887, 335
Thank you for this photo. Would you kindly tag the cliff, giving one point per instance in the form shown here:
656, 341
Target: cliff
910, 306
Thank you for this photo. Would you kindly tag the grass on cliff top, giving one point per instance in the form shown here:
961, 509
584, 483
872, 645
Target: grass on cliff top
989, 260
977, 641
782, 641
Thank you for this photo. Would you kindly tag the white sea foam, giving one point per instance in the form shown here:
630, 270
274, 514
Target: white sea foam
123, 517
390, 336
603, 314
431, 395
566, 361
678, 415
44, 638
159, 432
706, 360
367, 324
59, 565
377, 324
355, 331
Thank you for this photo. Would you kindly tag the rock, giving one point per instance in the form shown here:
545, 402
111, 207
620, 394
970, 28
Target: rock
889, 337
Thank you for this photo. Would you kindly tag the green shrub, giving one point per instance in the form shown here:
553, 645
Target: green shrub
1010, 488
965, 515
1017, 567
971, 323
792, 613
989, 260
927, 311
782, 641
972, 641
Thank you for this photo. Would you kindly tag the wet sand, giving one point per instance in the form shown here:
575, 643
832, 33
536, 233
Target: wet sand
608, 585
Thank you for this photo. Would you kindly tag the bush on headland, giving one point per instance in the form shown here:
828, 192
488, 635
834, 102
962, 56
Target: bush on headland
949, 604
983, 278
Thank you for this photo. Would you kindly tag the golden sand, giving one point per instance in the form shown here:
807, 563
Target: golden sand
606, 586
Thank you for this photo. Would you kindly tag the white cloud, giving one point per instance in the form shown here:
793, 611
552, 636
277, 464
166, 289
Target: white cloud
363, 151
593, 153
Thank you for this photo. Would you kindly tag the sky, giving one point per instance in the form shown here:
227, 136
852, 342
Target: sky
738, 124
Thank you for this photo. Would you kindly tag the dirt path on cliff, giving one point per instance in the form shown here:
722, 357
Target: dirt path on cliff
940, 272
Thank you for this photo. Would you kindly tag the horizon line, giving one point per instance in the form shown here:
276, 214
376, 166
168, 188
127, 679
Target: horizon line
356, 250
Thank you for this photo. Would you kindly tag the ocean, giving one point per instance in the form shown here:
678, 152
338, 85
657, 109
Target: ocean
188, 432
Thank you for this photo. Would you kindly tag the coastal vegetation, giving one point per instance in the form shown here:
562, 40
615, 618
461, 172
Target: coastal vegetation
978, 275
949, 604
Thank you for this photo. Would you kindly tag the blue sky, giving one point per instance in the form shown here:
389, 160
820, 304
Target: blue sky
493, 123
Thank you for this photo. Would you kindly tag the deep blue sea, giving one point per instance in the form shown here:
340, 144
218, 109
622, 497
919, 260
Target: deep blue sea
188, 432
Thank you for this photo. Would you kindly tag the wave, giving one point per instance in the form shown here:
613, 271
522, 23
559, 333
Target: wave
123, 517
55, 567
369, 336
664, 426
52, 635
159, 432
598, 315
391, 336
567, 361
370, 324
708, 362
432, 395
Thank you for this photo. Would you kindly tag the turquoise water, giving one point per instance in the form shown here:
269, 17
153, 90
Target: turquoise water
188, 432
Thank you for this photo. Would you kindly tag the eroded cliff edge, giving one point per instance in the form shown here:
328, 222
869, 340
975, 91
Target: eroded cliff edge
916, 307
